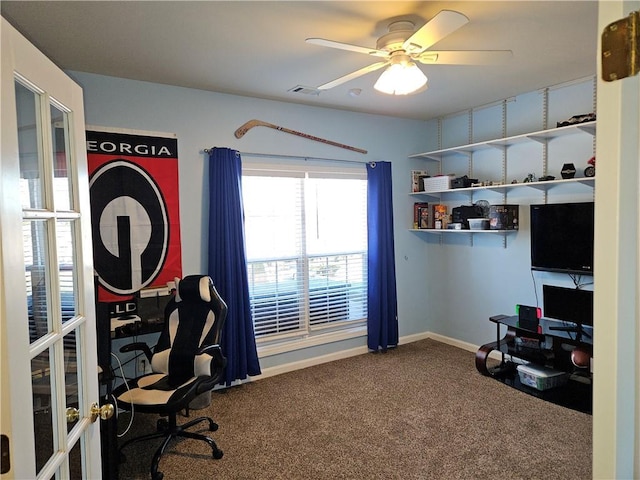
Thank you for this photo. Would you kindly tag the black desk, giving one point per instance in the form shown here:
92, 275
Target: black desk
547, 347
108, 330
123, 327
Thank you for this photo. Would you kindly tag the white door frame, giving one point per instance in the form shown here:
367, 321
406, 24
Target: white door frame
19, 56
616, 395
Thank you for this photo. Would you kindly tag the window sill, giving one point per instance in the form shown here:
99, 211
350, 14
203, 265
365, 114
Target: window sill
311, 341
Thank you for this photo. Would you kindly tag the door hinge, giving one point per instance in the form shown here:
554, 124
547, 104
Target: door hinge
620, 44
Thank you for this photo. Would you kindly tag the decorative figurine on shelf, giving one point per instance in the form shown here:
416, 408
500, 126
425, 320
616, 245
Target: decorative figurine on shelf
530, 178
590, 171
568, 171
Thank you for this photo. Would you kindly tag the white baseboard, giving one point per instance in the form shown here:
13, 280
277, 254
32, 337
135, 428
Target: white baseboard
309, 362
414, 338
470, 347
454, 342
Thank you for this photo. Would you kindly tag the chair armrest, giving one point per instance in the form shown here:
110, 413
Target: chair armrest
217, 366
137, 346
216, 352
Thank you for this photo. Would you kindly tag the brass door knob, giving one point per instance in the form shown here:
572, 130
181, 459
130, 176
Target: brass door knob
72, 414
104, 412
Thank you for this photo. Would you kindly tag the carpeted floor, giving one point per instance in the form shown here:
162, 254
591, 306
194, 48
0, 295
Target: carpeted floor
420, 411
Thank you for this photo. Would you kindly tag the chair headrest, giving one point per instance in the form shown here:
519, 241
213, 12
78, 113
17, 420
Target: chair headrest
194, 287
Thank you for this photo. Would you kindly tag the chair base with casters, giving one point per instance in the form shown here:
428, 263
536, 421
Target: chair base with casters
187, 362
169, 429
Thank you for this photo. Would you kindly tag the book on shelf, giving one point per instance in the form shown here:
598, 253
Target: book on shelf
440, 216
420, 213
425, 218
416, 179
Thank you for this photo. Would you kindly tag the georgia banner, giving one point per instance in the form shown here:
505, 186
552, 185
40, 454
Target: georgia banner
135, 214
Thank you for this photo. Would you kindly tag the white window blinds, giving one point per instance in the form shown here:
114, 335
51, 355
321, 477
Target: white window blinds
306, 248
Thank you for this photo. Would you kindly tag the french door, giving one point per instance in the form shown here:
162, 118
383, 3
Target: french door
616, 301
47, 329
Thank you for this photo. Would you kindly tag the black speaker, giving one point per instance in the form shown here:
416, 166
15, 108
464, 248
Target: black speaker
103, 336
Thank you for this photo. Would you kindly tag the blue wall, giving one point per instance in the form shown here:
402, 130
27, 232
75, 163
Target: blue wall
447, 287
471, 279
204, 119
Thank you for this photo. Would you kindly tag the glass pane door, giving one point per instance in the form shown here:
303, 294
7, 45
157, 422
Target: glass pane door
46, 241
49, 247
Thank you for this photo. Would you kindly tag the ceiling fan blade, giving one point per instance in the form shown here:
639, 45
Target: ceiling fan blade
352, 75
465, 57
443, 24
347, 46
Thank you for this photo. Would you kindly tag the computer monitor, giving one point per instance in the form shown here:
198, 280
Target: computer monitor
152, 308
568, 304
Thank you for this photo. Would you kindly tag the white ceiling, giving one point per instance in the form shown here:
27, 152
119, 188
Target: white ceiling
258, 48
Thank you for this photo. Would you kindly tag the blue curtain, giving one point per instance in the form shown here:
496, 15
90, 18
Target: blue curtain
382, 323
227, 262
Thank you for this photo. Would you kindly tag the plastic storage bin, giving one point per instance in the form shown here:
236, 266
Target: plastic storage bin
437, 183
541, 378
478, 224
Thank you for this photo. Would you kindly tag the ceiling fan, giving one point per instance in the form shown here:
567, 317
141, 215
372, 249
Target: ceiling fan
404, 45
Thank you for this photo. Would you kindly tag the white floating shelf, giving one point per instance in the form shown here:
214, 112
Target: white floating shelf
508, 186
541, 136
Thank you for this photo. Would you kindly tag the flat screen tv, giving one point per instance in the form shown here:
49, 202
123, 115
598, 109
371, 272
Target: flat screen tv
562, 237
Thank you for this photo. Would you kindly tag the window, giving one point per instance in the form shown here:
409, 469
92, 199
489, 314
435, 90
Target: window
306, 239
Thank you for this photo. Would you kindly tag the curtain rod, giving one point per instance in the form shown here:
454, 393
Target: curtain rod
297, 157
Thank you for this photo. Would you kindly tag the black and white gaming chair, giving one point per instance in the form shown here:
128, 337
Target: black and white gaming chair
186, 362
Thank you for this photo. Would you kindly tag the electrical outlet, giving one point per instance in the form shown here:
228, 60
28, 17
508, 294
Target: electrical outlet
142, 365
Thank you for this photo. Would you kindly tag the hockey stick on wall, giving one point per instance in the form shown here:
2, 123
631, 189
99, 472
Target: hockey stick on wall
239, 133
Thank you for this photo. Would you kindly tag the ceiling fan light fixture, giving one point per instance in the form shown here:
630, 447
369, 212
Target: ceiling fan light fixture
402, 78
